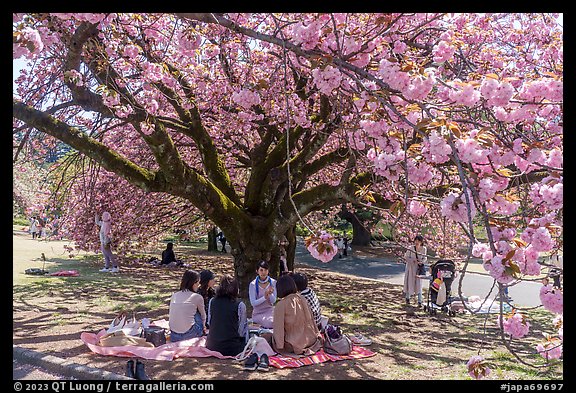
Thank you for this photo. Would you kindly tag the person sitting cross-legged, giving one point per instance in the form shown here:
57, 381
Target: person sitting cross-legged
227, 319
294, 332
187, 317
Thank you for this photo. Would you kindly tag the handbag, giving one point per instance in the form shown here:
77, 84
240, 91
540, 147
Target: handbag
421, 270
248, 349
155, 335
336, 342
337, 346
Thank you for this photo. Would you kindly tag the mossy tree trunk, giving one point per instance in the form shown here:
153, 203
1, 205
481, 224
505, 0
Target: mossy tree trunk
212, 242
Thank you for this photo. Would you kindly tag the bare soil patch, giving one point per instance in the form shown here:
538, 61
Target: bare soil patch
50, 313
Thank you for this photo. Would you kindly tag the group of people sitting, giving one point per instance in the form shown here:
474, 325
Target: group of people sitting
286, 306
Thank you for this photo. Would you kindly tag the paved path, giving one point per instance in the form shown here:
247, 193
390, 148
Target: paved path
388, 270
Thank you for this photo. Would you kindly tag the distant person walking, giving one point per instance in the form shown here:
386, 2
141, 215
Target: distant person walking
110, 261
222, 239
414, 256
34, 227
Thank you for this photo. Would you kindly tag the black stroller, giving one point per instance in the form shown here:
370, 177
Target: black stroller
443, 273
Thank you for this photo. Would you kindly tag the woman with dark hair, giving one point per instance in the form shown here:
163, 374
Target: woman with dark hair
414, 256
295, 331
228, 332
187, 317
262, 293
206, 289
168, 256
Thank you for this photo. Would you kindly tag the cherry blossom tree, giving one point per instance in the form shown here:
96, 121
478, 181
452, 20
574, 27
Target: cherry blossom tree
260, 120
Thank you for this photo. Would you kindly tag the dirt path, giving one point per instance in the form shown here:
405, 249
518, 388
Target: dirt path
50, 313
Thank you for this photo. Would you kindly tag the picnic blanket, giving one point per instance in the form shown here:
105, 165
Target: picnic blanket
280, 361
65, 273
191, 348
196, 347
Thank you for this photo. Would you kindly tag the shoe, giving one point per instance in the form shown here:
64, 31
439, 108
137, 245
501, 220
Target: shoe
419, 304
130, 369
263, 363
104, 270
359, 339
115, 269
140, 373
407, 301
251, 363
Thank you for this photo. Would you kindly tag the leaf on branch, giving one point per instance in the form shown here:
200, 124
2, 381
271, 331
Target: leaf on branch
492, 76
396, 208
452, 126
514, 270
504, 172
519, 242
509, 255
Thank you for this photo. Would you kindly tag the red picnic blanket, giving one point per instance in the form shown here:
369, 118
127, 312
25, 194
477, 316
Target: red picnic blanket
280, 361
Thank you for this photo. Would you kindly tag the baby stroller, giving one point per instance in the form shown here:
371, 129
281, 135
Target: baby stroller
443, 273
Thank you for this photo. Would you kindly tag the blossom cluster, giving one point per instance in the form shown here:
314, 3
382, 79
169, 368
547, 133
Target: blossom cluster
28, 43
327, 79
551, 349
454, 207
515, 325
435, 148
477, 367
496, 93
322, 246
246, 98
308, 35
443, 51
552, 299
417, 208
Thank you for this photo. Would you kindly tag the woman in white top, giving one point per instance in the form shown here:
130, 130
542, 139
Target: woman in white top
187, 318
414, 256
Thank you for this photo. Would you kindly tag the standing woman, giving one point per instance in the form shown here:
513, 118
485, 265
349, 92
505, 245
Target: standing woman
106, 243
414, 256
262, 293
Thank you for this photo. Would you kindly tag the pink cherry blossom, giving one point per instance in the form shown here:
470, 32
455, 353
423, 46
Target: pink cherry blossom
477, 367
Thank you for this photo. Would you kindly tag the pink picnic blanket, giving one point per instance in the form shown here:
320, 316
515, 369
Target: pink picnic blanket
280, 361
196, 347
191, 348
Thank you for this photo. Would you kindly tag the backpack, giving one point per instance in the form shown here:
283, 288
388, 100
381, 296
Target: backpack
336, 342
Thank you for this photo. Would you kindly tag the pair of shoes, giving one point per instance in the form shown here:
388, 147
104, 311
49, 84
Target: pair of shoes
359, 339
115, 269
104, 270
253, 363
136, 371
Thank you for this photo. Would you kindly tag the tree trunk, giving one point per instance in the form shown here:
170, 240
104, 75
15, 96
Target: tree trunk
360, 235
212, 244
250, 248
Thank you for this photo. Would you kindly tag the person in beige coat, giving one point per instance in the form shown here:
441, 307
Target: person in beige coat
414, 256
295, 332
